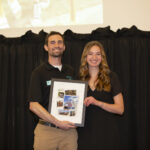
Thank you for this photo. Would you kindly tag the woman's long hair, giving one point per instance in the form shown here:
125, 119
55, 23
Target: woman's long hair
103, 79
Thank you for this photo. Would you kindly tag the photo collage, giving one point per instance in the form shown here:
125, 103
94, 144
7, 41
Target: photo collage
67, 102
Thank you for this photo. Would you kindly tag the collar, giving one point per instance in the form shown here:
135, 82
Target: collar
50, 67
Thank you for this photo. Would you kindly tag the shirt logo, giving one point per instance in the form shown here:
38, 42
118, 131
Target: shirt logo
48, 83
69, 77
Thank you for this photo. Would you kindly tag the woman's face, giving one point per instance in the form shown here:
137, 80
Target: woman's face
94, 56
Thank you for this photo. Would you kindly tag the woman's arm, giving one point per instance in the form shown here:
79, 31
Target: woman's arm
117, 107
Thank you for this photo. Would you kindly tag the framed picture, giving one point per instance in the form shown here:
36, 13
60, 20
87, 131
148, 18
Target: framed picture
66, 100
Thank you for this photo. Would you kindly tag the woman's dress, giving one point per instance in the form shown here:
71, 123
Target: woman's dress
100, 131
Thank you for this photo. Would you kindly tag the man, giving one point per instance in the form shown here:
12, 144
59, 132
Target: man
50, 133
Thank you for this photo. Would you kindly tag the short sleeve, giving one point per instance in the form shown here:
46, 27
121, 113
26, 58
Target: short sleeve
35, 87
115, 84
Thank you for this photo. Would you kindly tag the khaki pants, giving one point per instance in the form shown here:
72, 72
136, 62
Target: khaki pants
51, 138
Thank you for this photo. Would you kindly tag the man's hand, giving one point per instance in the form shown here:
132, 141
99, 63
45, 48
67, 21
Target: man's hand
65, 125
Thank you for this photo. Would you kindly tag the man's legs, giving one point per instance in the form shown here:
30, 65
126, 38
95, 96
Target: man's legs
69, 141
51, 138
45, 138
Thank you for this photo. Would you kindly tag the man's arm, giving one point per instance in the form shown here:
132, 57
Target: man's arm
42, 113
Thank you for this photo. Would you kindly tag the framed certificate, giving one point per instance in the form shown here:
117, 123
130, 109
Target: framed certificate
66, 100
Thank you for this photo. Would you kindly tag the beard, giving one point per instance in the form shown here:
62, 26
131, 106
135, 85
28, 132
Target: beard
57, 52
57, 55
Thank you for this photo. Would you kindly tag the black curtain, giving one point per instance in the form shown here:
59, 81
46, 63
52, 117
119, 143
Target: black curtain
128, 52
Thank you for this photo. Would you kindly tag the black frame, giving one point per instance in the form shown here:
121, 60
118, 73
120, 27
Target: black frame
71, 97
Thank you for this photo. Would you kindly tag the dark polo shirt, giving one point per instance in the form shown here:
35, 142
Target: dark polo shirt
41, 81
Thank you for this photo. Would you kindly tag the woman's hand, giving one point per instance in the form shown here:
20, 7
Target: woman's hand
90, 101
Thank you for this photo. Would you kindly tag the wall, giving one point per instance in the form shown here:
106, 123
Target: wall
125, 13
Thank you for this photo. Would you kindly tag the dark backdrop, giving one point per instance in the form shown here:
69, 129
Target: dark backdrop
128, 52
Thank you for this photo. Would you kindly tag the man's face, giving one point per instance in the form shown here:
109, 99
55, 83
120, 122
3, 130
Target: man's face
55, 47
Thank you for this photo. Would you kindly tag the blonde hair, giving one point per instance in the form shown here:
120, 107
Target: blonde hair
103, 79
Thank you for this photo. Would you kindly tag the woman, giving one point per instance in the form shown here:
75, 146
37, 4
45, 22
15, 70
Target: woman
104, 101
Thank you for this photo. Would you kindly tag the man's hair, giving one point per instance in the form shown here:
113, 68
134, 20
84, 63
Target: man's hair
53, 33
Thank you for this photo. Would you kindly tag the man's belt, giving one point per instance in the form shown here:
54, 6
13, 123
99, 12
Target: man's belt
47, 123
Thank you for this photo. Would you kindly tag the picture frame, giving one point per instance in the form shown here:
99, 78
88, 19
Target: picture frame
66, 100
